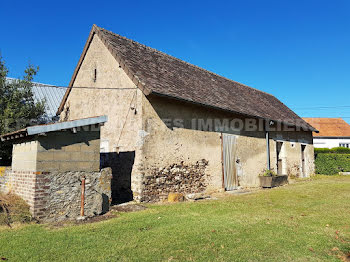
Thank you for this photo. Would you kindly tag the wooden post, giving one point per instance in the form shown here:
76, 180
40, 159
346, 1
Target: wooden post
82, 196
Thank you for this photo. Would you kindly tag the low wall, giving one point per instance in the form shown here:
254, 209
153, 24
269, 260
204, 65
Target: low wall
55, 196
20, 183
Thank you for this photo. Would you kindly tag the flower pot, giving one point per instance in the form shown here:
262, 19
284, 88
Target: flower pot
273, 181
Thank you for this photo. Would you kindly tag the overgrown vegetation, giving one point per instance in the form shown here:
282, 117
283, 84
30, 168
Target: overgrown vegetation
304, 221
13, 209
18, 109
332, 161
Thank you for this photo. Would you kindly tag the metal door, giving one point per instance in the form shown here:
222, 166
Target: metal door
229, 163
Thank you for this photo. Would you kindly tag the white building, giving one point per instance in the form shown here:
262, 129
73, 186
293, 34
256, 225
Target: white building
333, 132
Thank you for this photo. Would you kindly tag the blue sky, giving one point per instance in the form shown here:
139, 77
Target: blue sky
298, 51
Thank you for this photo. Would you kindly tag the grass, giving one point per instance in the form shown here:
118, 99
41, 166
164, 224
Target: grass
305, 221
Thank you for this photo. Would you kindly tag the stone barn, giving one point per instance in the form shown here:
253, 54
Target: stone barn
175, 127
49, 163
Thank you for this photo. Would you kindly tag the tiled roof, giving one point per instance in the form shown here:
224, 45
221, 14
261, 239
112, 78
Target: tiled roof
157, 73
329, 127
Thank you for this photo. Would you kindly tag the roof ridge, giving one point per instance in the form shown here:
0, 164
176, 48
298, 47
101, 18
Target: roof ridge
33, 82
180, 60
324, 117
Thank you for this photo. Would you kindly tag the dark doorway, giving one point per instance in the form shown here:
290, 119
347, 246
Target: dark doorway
303, 160
279, 159
121, 164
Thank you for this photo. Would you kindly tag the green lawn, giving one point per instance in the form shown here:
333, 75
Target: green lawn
305, 221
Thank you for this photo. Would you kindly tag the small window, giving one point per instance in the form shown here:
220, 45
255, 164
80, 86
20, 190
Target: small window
347, 145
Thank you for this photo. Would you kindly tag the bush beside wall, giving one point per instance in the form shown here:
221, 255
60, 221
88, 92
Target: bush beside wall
331, 163
13, 209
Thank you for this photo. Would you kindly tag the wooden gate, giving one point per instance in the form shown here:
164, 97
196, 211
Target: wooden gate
229, 162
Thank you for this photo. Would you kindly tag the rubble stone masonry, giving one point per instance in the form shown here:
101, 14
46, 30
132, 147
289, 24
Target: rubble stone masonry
55, 196
179, 178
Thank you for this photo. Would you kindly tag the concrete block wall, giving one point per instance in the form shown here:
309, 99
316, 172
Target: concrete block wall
24, 156
68, 151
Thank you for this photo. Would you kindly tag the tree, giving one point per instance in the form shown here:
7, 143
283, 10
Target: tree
18, 109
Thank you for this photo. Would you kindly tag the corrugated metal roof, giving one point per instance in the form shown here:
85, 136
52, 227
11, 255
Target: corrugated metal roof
40, 129
52, 94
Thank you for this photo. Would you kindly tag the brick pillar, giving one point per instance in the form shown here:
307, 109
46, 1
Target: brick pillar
41, 194
32, 187
22, 183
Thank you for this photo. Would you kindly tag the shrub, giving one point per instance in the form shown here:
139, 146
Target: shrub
341, 150
335, 150
322, 150
331, 163
13, 209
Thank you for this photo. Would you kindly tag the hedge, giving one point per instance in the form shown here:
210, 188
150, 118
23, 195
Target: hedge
331, 163
335, 150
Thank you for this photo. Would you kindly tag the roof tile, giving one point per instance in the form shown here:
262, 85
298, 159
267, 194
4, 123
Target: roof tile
329, 127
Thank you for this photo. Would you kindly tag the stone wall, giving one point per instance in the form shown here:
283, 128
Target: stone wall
136, 130
61, 194
164, 145
55, 196
179, 178
121, 102
4, 177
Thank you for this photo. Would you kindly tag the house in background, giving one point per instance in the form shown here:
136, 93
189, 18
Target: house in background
53, 96
333, 132
175, 127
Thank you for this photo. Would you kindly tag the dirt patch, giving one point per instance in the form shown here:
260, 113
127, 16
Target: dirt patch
113, 213
128, 208
87, 220
340, 255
